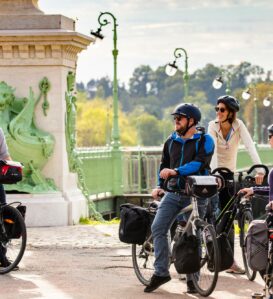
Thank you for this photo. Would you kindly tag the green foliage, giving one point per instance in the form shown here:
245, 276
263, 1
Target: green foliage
94, 124
149, 131
90, 221
145, 106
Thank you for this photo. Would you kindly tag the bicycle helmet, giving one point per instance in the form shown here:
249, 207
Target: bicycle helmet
270, 130
231, 102
188, 110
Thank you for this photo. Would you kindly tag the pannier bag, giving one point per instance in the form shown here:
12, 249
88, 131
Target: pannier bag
257, 245
201, 186
134, 224
186, 254
10, 172
226, 253
11, 222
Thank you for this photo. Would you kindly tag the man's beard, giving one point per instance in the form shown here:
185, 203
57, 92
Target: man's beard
182, 130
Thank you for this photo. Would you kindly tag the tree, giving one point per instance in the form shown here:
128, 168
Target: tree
138, 83
148, 127
94, 124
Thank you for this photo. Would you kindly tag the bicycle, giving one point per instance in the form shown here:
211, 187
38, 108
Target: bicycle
240, 209
267, 274
13, 236
205, 280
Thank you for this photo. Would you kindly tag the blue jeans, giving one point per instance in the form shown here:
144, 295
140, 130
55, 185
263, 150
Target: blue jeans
169, 208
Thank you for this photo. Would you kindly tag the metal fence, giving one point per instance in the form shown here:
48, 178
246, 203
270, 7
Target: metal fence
139, 168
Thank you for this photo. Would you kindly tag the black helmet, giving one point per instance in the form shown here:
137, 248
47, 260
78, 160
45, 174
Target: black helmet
270, 130
231, 102
188, 110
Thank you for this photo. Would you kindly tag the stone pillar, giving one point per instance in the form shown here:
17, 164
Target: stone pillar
34, 45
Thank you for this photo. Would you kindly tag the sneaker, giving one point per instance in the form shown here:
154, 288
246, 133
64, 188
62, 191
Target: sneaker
235, 269
156, 281
191, 288
5, 263
182, 276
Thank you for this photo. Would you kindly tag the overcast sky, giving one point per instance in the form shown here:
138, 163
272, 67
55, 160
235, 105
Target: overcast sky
149, 30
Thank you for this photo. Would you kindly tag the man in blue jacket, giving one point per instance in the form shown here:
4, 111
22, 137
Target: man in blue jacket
186, 152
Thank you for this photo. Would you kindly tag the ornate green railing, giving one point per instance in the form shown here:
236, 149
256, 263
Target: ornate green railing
139, 168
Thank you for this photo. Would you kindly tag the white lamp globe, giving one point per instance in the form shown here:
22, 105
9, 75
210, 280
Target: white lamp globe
246, 95
266, 102
171, 69
217, 83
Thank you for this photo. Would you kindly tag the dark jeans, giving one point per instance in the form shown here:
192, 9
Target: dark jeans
2, 194
218, 203
3, 201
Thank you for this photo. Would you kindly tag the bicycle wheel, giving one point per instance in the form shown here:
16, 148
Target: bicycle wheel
205, 280
245, 221
13, 238
143, 260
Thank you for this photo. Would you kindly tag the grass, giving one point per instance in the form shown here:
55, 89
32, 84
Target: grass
90, 221
237, 230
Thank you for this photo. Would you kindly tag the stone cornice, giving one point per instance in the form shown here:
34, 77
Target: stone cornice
34, 22
38, 47
44, 36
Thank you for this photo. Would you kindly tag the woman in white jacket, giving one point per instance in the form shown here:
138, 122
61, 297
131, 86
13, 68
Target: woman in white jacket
227, 132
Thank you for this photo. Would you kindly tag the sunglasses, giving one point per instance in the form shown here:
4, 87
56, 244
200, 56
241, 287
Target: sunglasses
222, 110
269, 137
178, 117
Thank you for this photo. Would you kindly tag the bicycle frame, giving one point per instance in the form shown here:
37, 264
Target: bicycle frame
193, 216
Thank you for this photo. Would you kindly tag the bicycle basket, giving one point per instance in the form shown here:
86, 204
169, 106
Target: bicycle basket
201, 186
11, 222
10, 172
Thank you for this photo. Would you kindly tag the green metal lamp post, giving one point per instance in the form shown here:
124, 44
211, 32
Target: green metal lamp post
246, 95
103, 21
116, 152
171, 68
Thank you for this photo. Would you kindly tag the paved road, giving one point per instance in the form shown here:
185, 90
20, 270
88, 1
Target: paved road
89, 262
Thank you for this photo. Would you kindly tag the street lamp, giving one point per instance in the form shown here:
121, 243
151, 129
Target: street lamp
171, 68
103, 22
218, 82
267, 100
116, 152
246, 95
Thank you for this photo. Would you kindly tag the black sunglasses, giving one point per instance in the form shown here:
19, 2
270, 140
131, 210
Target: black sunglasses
269, 137
178, 117
220, 109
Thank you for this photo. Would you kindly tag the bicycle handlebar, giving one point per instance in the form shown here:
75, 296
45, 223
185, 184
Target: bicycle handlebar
258, 166
165, 185
221, 169
219, 180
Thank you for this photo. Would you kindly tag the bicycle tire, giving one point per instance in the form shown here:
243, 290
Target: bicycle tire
245, 221
143, 260
205, 280
13, 246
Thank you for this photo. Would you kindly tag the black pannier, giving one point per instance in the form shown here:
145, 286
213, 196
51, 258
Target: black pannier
186, 254
134, 224
201, 186
226, 253
10, 172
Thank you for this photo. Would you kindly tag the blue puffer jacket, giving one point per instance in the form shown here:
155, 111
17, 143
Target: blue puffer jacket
187, 156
